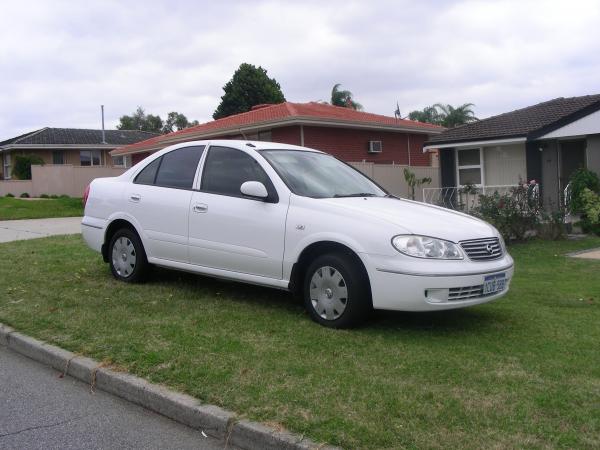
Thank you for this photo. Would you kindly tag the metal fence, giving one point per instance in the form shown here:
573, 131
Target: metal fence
467, 198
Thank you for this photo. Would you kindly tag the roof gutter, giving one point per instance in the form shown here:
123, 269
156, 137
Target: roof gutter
56, 146
465, 144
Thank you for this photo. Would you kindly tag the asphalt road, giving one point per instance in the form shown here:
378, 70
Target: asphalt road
40, 410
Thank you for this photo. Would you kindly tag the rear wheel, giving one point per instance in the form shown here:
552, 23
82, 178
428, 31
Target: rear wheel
127, 257
336, 291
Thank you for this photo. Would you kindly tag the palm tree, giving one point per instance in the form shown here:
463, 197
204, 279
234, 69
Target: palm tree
343, 98
429, 114
452, 117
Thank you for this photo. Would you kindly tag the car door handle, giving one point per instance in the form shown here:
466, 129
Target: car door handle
200, 208
135, 197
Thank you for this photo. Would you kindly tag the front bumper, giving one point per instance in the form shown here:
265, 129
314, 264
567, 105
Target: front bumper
400, 284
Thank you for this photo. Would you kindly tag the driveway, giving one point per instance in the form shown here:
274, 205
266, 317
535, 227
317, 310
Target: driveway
16, 230
40, 410
593, 253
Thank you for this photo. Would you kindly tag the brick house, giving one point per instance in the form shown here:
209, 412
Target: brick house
69, 146
348, 134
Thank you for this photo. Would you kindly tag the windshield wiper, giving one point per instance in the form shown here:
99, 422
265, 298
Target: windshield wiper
358, 194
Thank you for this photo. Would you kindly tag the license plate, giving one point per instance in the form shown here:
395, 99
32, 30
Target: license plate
494, 283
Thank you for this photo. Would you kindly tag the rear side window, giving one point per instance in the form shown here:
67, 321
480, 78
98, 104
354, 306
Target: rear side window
226, 169
148, 173
178, 168
175, 169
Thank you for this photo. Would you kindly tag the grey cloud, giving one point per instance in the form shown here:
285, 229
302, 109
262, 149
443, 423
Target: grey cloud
60, 60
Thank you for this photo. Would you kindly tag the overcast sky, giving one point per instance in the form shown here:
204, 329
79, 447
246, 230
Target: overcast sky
60, 60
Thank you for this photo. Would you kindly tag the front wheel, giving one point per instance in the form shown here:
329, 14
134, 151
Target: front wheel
337, 292
127, 256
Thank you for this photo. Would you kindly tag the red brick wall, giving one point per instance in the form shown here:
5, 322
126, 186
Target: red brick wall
137, 157
353, 144
286, 135
349, 144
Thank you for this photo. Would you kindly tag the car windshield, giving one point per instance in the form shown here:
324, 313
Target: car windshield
319, 175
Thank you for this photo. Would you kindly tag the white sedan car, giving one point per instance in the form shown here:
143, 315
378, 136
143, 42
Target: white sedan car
296, 219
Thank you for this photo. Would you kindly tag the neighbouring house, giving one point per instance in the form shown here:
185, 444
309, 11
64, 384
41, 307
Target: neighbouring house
69, 146
352, 136
546, 142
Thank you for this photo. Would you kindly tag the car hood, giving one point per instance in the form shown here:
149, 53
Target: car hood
415, 217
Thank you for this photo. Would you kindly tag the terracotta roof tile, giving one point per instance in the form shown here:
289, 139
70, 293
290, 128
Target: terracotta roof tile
272, 114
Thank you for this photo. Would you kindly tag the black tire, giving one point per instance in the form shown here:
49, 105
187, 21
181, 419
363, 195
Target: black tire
126, 247
322, 301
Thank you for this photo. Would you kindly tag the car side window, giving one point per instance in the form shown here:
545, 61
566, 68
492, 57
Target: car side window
226, 169
178, 168
148, 173
175, 169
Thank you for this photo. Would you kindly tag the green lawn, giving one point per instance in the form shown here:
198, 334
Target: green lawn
17, 208
523, 372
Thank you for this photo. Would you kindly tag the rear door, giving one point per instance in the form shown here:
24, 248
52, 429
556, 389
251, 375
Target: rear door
159, 198
230, 231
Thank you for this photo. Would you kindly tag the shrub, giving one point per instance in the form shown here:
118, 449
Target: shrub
63, 196
54, 196
552, 225
24, 195
9, 195
590, 201
414, 182
44, 196
22, 168
514, 214
580, 180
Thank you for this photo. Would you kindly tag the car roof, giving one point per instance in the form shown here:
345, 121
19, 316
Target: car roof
246, 145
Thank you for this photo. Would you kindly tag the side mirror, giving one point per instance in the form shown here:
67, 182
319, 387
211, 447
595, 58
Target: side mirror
254, 189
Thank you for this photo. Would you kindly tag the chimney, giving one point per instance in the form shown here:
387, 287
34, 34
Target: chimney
103, 134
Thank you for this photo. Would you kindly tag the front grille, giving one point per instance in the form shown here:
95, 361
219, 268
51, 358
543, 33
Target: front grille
465, 293
482, 249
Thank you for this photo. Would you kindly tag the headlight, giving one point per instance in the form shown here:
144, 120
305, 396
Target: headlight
426, 247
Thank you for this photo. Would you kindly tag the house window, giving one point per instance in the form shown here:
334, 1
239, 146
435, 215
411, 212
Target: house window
90, 157
469, 167
121, 161
58, 157
7, 166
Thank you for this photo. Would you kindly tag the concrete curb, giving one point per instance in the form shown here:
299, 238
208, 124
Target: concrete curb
214, 421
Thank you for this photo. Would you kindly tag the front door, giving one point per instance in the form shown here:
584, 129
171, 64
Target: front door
572, 157
230, 231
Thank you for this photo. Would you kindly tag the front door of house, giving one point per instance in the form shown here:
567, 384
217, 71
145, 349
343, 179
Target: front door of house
572, 157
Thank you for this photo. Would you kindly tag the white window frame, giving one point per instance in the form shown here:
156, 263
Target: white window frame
91, 158
480, 166
6, 166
